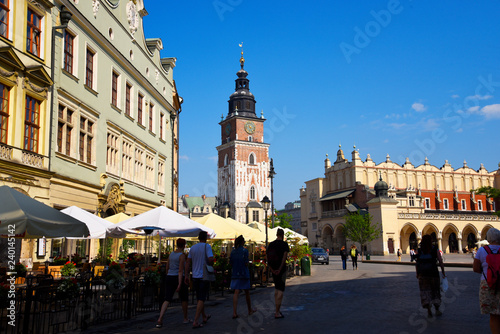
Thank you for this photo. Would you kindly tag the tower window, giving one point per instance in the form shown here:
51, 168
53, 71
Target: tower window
252, 192
251, 159
250, 138
226, 159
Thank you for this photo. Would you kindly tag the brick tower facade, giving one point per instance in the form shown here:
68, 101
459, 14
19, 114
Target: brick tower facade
243, 157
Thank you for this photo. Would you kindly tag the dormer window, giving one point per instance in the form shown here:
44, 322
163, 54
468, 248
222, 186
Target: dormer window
411, 201
464, 205
445, 204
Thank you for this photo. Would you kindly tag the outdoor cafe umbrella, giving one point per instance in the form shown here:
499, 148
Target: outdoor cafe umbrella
170, 223
97, 225
23, 216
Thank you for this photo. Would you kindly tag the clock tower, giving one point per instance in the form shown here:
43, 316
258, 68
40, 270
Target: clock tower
243, 164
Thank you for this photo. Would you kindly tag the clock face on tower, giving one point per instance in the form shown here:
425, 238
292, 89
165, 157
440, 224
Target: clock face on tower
250, 127
228, 129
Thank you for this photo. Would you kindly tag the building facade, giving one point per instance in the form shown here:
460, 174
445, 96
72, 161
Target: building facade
102, 131
420, 200
293, 209
197, 206
243, 156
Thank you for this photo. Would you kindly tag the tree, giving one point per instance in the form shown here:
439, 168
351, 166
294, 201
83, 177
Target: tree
490, 192
360, 228
282, 220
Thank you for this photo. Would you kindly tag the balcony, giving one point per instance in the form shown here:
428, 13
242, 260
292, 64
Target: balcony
334, 213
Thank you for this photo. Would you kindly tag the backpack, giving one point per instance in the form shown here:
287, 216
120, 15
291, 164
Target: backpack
427, 263
493, 261
353, 252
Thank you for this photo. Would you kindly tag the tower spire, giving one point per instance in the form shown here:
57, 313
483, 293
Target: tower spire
242, 60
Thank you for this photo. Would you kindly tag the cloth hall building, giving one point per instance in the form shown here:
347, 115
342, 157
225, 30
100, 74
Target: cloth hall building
411, 201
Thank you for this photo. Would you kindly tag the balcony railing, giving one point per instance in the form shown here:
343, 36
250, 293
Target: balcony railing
334, 213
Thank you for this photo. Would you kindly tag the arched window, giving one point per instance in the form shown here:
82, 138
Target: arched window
252, 192
226, 159
251, 159
250, 138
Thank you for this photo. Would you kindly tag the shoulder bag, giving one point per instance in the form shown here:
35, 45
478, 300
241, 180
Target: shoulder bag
208, 270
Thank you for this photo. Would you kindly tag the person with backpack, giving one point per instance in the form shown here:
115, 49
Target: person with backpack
354, 257
428, 258
487, 263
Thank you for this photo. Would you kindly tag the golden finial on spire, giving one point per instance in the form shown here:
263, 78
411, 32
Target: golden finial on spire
242, 60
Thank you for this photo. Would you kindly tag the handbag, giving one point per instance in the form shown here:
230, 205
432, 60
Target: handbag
444, 284
208, 270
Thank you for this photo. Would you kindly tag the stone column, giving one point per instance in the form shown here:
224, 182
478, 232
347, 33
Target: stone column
440, 244
460, 246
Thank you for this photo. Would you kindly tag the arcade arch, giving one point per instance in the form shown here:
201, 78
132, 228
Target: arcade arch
469, 237
408, 238
327, 238
339, 239
450, 239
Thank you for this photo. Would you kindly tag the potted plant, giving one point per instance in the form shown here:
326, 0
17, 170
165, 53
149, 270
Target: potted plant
20, 269
68, 289
69, 269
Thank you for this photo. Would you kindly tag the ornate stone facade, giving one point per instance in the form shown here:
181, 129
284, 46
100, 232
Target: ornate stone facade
425, 199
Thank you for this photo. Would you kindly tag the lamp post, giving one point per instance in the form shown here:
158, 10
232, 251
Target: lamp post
271, 176
265, 204
64, 16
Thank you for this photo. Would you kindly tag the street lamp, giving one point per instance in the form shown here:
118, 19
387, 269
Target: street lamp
265, 204
64, 16
271, 176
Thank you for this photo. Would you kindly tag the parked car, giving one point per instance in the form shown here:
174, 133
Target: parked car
319, 255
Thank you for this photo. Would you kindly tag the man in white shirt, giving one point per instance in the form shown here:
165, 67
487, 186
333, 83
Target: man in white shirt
199, 256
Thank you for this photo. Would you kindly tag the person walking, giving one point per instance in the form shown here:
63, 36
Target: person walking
177, 270
199, 256
489, 298
412, 255
343, 256
240, 275
399, 255
354, 257
428, 258
277, 253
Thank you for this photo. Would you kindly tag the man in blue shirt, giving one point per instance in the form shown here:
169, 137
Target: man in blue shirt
199, 256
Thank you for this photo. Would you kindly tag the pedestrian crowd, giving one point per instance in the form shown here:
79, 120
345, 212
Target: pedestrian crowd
196, 268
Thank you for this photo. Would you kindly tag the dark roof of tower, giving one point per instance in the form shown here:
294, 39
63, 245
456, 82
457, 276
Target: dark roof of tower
242, 101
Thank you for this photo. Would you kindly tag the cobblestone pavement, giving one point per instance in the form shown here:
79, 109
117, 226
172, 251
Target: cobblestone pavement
376, 298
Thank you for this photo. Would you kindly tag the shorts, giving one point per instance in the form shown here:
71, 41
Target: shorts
279, 280
489, 301
172, 283
201, 288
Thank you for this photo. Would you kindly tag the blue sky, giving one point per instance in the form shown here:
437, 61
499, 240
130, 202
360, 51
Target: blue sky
406, 78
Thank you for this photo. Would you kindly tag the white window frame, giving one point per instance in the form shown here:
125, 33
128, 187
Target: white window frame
252, 193
463, 205
95, 60
479, 205
93, 134
446, 204
427, 203
118, 88
113, 152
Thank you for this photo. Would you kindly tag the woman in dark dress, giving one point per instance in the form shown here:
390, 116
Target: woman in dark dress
240, 275
428, 258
